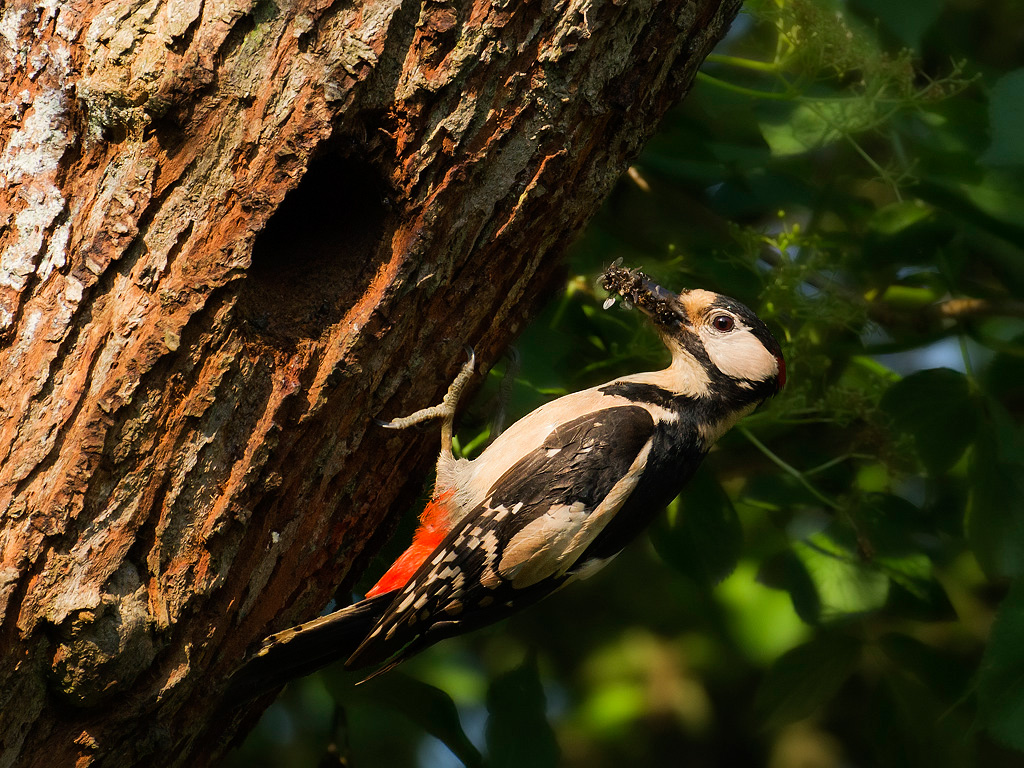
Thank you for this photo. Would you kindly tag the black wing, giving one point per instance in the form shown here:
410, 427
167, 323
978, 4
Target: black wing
524, 540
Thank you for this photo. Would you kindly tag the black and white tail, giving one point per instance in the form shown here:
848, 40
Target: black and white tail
305, 648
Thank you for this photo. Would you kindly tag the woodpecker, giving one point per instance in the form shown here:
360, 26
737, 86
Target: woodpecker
555, 496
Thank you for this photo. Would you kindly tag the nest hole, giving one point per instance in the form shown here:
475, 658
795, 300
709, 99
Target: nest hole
316, 254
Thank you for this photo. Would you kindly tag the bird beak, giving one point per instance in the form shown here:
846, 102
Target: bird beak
658, 303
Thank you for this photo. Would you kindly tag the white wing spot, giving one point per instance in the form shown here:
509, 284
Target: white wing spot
406, 601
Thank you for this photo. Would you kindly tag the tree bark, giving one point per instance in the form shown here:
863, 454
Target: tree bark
231, 234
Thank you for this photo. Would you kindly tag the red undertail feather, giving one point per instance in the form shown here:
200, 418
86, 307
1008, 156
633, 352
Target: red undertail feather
433, 527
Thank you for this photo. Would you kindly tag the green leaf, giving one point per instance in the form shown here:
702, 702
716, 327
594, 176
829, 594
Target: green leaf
910, 297
844, 583
925, 601
1006, 118
995, 510
911, 572
1001, 676
805, 678
994, 197
518, 732
936, 408
761, 620
993, 205
701, 536
815, 124
896, 217
787, 572
428, 707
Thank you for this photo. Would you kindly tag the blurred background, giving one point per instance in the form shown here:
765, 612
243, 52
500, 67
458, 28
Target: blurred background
839, 586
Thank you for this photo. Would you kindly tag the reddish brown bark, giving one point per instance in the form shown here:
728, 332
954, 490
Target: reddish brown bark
190, 361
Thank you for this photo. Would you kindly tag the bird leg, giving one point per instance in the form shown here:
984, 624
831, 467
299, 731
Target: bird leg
445, 410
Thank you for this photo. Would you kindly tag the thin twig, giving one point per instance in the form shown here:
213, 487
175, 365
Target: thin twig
789, 469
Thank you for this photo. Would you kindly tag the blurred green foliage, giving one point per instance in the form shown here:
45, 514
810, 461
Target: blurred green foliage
841, 584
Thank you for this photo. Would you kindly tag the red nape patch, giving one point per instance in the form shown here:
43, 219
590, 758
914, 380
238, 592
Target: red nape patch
433, 527
782, 373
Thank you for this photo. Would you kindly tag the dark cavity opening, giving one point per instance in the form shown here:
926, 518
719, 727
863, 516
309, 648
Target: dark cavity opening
313, 259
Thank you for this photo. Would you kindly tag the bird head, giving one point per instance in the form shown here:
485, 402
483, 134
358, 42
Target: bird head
726, 348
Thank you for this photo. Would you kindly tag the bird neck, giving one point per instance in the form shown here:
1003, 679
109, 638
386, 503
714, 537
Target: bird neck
684, 377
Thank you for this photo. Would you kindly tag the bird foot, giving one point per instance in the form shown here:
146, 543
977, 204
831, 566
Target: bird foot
446, 408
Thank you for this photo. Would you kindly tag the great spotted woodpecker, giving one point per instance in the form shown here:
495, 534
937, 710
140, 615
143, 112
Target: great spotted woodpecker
554, 497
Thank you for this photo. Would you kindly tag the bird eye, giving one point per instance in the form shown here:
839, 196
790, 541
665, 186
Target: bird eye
723, 323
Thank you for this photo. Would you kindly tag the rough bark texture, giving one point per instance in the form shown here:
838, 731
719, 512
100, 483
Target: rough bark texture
231, 234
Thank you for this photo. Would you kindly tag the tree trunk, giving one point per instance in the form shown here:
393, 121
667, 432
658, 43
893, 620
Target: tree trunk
231, 234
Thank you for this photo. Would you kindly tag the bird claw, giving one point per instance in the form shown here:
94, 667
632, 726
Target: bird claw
446, 408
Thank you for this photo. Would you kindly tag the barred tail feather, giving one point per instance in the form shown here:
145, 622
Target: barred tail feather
305, 648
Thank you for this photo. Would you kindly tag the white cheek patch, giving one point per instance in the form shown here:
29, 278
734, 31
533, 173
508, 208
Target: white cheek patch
740, 355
